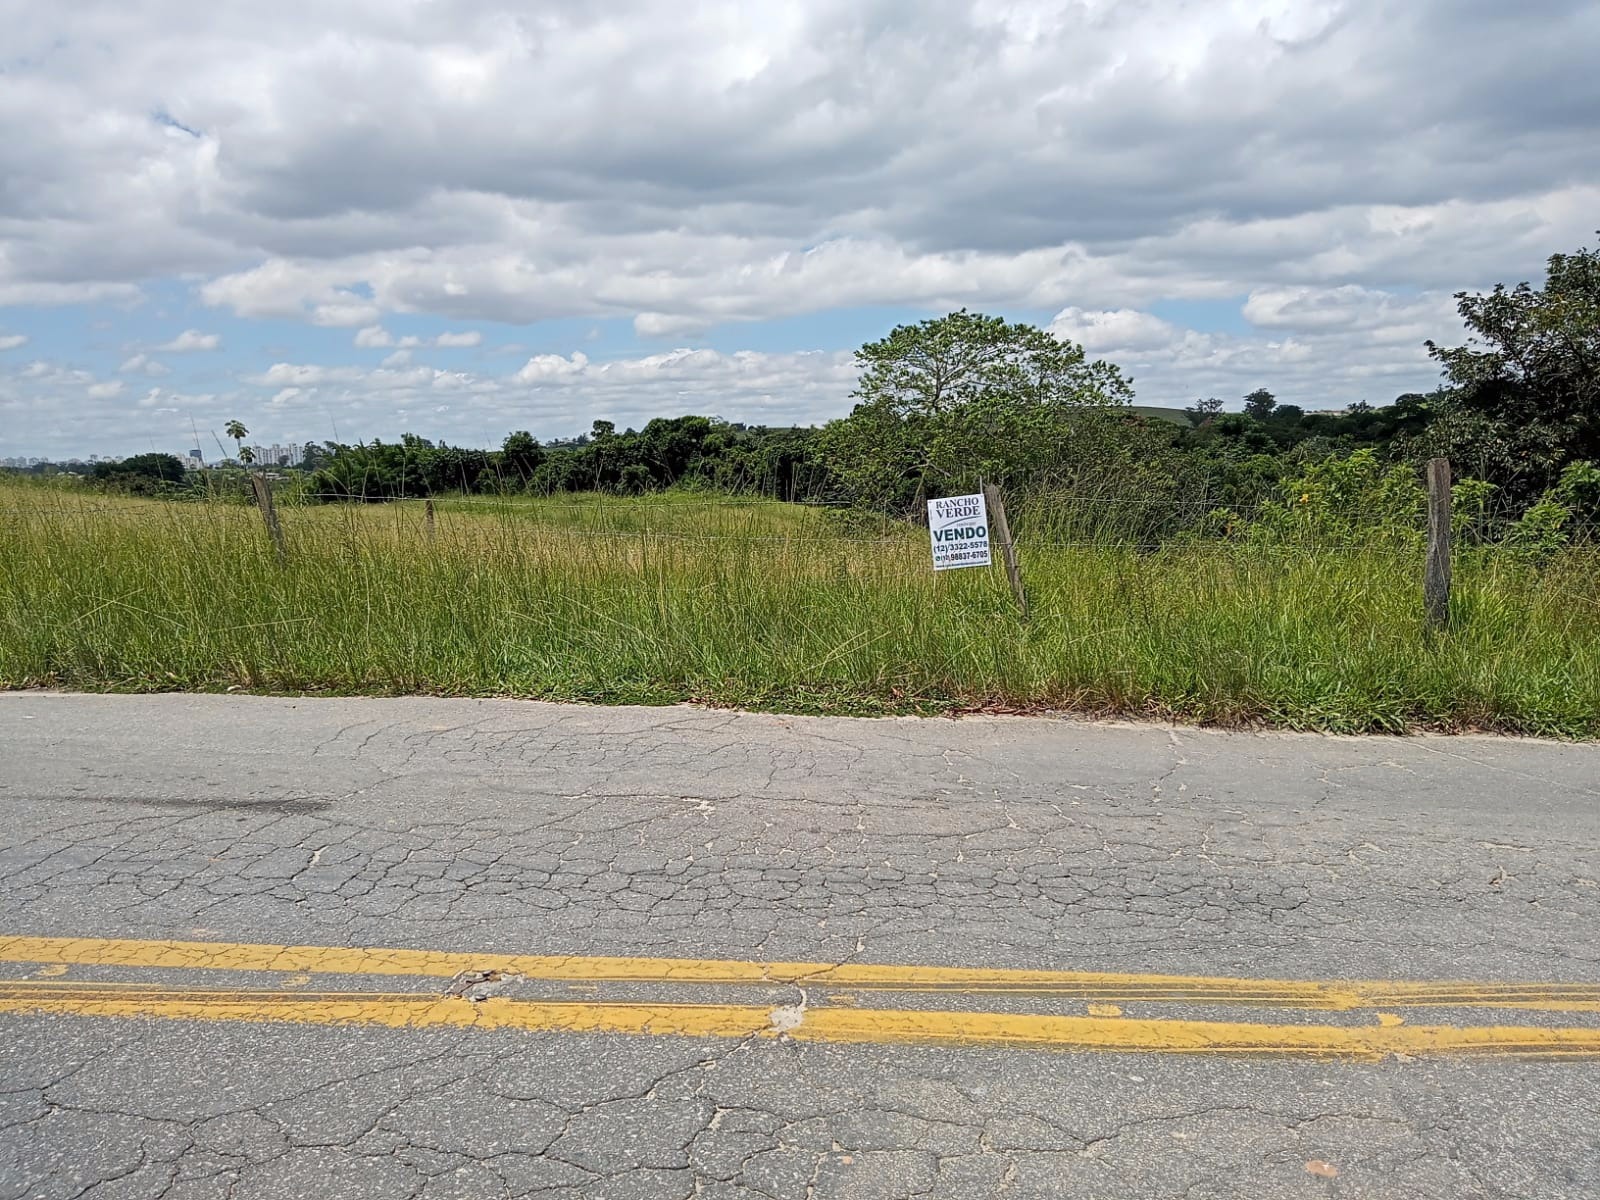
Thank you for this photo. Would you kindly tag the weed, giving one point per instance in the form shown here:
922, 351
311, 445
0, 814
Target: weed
766, 605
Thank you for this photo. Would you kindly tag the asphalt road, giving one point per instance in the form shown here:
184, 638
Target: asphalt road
368, 948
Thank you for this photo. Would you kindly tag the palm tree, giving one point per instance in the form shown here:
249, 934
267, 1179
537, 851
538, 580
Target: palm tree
238, 433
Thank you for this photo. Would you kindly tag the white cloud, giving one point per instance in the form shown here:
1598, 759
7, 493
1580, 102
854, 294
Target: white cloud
1313, 309
277, 289
343, 314
143, 364
654, 324
376, 336
1319, 348
996, 130
20, 293
558, 395
191, 340
82, 415
10, 341
676, 282
701, 165
298, 375
542, 367
1117, 329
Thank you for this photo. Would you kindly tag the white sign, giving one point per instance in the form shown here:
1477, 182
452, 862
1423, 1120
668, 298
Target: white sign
959, 528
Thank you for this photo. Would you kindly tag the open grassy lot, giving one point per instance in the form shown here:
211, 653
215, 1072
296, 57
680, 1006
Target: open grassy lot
761, 604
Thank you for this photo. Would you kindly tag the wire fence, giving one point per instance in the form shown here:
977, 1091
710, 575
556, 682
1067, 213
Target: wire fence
1059, 521
1148, 557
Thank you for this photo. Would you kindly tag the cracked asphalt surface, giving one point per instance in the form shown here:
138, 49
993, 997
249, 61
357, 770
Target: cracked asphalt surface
495, 829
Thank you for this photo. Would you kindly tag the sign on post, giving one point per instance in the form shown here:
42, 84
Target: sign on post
959, 529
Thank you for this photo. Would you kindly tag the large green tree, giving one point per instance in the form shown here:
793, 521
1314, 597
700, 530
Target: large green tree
1259, 404
1525, 388
521, 455
956, 398
141, 474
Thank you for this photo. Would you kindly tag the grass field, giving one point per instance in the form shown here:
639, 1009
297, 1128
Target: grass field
766, 605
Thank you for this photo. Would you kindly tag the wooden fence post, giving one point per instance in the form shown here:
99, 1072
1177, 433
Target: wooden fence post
1436, 579
269, 513
1008, 551
427, 511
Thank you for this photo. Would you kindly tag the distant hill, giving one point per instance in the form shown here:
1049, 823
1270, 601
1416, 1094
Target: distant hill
1176, 415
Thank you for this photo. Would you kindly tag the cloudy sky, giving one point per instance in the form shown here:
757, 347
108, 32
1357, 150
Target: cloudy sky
454, 217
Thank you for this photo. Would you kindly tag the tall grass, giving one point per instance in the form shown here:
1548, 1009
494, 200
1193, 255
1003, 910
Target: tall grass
767, 605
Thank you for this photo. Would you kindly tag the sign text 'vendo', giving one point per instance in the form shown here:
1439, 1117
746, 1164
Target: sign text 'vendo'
959, 528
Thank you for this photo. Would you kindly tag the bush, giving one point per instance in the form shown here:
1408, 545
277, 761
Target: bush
1349, 500
1540, 532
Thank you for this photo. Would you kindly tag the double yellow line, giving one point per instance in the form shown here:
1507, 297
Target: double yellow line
1104, 992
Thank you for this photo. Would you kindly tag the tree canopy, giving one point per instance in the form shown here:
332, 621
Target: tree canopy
689, 451
949, 400
1525, 386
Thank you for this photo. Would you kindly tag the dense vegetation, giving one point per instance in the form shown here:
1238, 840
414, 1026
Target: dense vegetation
945, 402
684, 452
1259, 566
766, 604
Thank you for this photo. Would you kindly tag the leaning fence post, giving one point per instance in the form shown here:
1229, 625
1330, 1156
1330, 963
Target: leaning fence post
1008, 551
269, 513
1436, 577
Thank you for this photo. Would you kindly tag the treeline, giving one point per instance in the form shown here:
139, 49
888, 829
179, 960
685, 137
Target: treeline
946, 403
683, 452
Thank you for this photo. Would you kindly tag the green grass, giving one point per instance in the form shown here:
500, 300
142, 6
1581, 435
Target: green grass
766, 605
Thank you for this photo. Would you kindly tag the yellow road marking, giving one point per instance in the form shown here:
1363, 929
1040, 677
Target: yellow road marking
1099, 986
417, 1010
